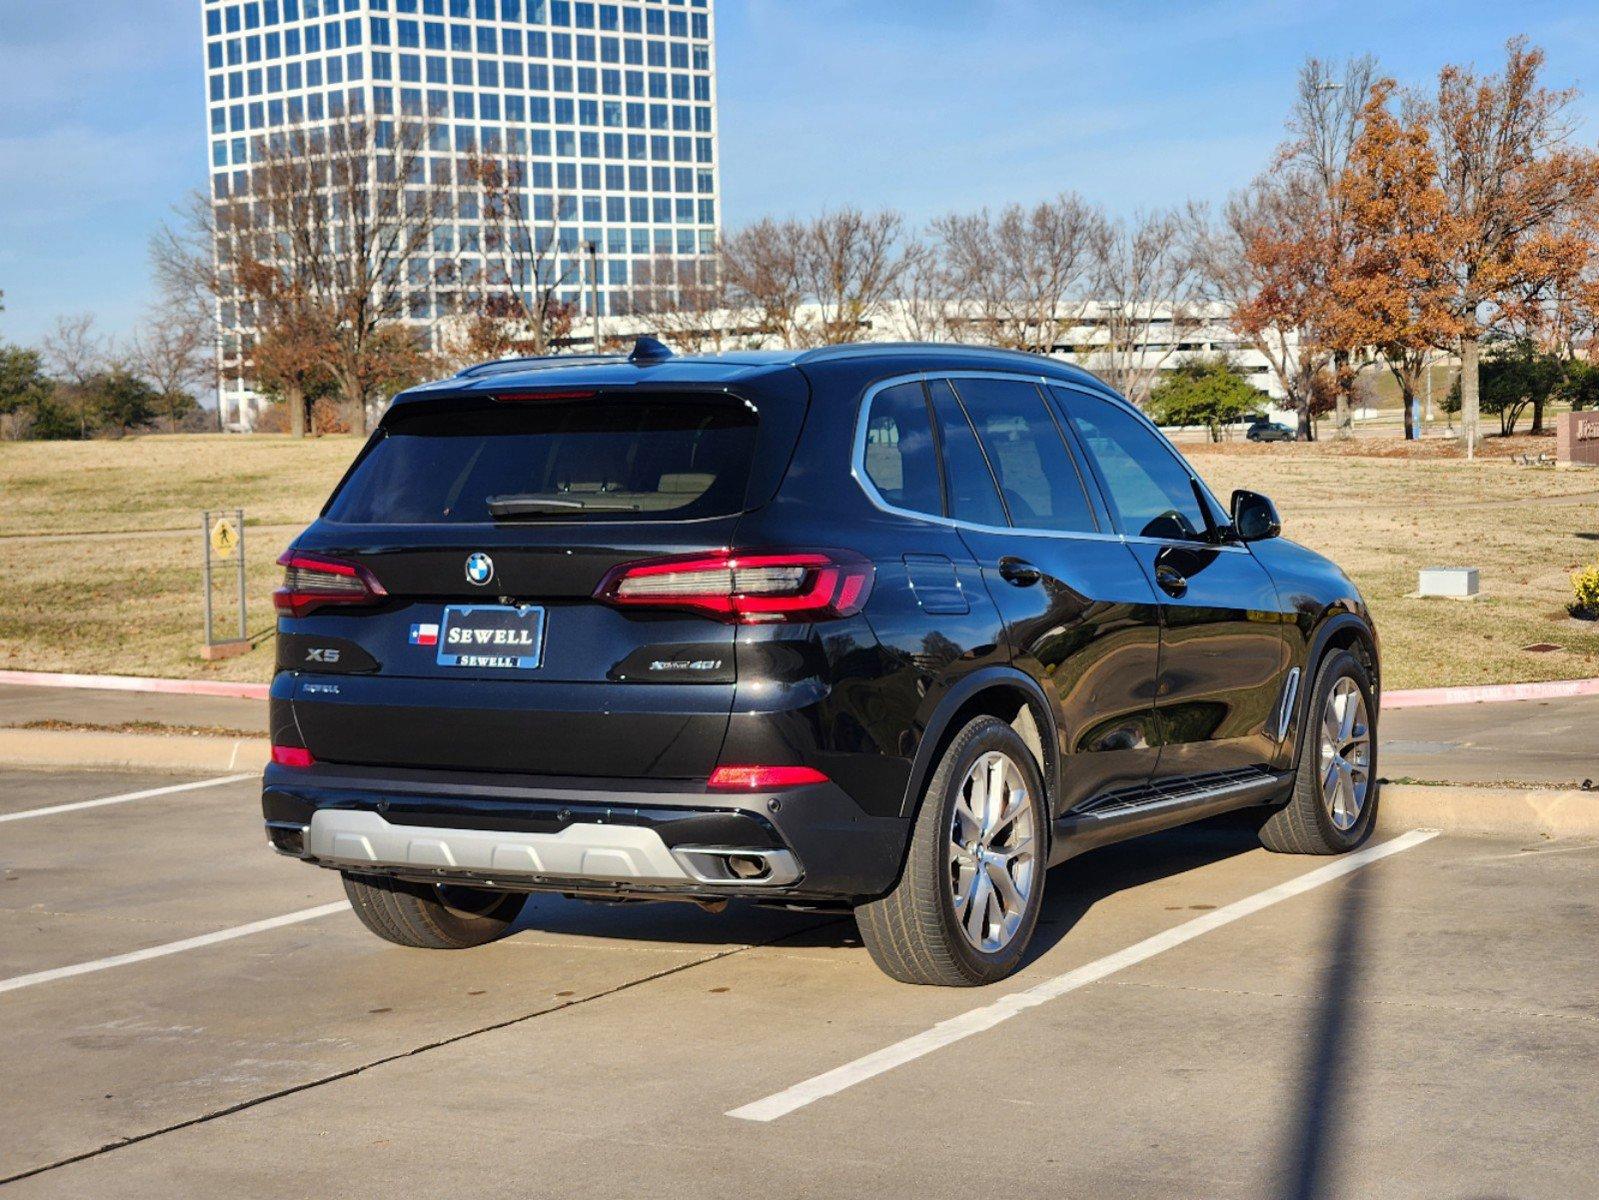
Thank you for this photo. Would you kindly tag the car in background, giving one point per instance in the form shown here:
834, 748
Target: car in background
1270, 431
882, 629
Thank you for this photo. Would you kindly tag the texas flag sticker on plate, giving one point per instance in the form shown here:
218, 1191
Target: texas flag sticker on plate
424, 635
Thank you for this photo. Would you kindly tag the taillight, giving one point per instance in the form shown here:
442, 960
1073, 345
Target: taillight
292, 756
746, 587
762, 779
309, 582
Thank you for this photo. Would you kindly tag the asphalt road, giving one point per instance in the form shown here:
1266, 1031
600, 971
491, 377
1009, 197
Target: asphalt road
1543, 743
1418, 1022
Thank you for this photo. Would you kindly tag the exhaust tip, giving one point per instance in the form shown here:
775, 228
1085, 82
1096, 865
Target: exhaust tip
287, 838
747, 866
737, 865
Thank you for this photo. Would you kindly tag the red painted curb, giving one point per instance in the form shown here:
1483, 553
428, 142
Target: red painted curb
1493, 693
135, 683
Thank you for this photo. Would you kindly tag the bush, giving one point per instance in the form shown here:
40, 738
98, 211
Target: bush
1512, 376
1203, 391
1581, 385
1585, 590
274, 418
330, 415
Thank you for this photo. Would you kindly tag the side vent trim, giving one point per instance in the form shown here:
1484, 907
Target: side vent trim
1285, 713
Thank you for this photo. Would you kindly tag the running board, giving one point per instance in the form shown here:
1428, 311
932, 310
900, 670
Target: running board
1176, 802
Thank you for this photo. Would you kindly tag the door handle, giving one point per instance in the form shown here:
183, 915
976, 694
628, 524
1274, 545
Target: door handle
1171, 580
1019, 571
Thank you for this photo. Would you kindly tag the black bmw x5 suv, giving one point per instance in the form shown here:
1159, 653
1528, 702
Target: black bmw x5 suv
886, 628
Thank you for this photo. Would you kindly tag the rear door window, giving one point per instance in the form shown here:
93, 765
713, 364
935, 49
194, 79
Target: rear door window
900, 457
973, 495
1037, 477
635, 459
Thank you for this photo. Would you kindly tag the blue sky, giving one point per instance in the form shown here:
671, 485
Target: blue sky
920, 105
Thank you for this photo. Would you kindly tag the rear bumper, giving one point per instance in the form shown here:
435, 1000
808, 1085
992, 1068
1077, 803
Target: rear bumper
587, 835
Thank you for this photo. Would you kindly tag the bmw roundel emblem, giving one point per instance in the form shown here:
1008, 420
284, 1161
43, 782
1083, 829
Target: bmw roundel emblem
480, 569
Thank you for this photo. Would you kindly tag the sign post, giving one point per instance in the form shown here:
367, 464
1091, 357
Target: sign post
223, 535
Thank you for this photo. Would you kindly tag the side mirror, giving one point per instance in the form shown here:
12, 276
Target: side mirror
1254, 517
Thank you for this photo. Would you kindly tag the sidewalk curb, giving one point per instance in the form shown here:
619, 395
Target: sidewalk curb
138, 683
176, 752
1488, 812
1491, 693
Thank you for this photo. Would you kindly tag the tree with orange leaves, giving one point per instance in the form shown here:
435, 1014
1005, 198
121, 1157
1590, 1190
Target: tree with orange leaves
288, 354
1513, 183
1392, 291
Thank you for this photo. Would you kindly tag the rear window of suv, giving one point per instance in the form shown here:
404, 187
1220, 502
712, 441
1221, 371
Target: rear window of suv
662, 458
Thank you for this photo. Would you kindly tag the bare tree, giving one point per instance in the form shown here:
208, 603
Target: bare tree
185, 264
763, 265
76, 352
1022, 277
1147, 301
511, 299
688, 301
925, 304
1250, 261
1322, 129
331, 226
173, 353
850, 263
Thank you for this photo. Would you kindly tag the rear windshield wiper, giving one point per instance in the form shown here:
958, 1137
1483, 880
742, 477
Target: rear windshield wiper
510, 507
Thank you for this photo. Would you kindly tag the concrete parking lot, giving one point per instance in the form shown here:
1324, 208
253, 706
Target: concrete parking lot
187, 1014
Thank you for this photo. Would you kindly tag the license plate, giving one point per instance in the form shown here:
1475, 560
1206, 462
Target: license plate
491, 636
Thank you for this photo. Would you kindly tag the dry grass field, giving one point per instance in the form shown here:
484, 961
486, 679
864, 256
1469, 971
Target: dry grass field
1383, 517
99, 547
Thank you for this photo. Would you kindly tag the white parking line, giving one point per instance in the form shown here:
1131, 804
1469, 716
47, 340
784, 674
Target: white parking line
980, 1019
17, 982
122, 799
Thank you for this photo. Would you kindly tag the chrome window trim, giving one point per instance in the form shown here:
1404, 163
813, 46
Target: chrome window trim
858, 466
858, 460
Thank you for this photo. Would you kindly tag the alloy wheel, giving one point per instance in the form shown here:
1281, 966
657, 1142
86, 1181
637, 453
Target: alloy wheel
1345, 754
993, 860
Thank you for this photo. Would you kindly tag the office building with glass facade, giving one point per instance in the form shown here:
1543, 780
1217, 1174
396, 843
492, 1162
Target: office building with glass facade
611, 106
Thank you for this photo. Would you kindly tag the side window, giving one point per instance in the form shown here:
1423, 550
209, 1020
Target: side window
1037, 477
1151, 489
901, 460
972, 494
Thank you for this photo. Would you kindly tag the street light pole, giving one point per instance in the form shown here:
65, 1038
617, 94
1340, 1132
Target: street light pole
594, 292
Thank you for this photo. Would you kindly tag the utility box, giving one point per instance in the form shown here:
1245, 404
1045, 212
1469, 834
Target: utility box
1457, 583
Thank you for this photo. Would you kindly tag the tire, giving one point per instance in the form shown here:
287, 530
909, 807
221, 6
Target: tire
918, 932
1323, 817
418, 915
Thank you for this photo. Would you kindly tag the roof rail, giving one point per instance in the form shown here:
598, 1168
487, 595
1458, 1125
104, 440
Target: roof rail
500, 366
